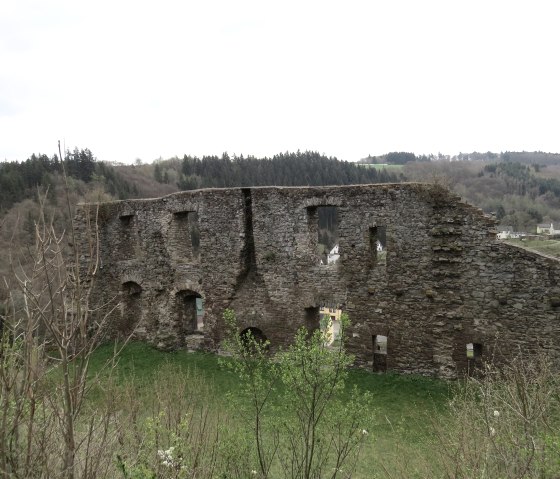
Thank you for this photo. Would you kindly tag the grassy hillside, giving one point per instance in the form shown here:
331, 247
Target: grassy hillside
550, 247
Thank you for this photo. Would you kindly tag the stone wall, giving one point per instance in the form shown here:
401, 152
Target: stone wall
447, 281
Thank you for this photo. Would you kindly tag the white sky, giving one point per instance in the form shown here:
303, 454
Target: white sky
134, 79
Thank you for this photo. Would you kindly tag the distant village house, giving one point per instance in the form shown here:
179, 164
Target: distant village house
547, 229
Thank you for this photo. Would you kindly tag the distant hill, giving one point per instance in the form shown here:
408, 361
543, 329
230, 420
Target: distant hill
396, 158
520, 194
525, 157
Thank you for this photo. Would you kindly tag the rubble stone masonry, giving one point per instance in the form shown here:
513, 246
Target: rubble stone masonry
447, 281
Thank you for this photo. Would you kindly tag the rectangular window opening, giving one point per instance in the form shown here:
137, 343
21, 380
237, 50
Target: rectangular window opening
312, 319
327, 236
184, 236
330, 316
194, 232
127, 239
379, 353
378, 245
199, 314
189, 311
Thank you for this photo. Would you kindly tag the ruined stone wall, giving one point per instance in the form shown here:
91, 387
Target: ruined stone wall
447, 281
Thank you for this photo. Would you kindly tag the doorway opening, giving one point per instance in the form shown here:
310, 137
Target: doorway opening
131, 308
379, 353
330, 320
253, 340
188, 313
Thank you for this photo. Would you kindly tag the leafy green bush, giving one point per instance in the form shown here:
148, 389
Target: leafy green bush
315, 429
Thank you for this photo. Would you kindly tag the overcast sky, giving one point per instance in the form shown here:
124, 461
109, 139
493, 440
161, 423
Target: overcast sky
133, 79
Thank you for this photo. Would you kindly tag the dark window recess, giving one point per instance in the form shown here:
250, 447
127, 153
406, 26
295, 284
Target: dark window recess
312, 319
378, 245
194, 232
184, 237
131, 311
126, 220
130, 288
255, 333
126, 238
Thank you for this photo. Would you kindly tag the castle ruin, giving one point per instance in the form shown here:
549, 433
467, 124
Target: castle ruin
444, 281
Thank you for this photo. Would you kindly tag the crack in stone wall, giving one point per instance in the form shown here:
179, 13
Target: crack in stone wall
248, 251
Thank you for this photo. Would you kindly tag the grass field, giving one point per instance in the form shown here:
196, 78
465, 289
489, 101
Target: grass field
548, 247
403, 404
191, 408
383, 166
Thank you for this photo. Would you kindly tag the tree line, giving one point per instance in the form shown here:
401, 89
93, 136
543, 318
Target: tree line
20, 180
306, 168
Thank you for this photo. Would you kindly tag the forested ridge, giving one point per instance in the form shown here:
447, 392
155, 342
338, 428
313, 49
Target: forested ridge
285, 169
516, 187
20, 181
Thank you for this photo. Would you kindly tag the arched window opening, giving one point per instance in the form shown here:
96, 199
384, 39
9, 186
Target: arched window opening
130, 288
255, 333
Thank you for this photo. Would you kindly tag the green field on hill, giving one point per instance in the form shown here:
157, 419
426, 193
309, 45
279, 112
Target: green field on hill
549, 247
382, 166
191, 403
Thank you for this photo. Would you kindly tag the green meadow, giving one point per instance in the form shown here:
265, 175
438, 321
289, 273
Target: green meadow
402, 405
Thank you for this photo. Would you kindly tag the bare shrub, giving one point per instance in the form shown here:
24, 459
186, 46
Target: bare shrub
504, 424
49, 332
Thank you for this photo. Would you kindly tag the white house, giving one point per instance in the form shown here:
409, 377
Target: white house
505, 232
547, 229
333, 256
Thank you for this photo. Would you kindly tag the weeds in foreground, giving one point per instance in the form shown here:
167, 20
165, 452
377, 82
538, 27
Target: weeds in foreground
503, 424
